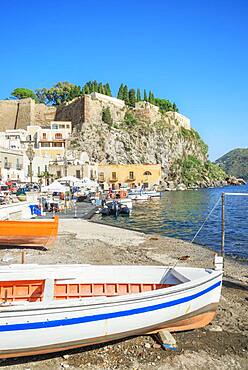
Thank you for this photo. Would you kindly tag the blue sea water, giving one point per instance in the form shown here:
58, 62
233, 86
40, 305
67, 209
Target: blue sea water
180, 214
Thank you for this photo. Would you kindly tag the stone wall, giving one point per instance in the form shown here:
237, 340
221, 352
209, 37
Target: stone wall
21, 113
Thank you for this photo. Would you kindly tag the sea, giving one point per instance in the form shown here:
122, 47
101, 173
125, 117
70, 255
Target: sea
194, 214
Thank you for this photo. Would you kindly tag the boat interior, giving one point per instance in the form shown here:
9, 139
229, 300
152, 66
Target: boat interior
30, 283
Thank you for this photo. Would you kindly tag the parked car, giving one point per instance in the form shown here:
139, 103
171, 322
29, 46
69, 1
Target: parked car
13, 186
4, 190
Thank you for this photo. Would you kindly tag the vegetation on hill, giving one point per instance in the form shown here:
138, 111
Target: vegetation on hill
63, 92
193, 171
235, 163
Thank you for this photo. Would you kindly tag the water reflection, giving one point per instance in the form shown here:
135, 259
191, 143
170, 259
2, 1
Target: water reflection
180, 215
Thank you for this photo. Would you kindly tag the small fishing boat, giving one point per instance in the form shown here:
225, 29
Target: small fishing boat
53, 308
137, 197
114, 208
35, 233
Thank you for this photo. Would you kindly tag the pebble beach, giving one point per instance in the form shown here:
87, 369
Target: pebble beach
221, 345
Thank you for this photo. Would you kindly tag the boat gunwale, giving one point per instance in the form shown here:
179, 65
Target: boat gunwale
103, 301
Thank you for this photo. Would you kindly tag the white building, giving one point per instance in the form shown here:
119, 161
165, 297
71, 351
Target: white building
11, 165
48, 144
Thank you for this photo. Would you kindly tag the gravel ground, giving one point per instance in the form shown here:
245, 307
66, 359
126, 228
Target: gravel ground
221, 345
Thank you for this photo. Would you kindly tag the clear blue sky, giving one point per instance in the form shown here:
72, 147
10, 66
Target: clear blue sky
194, 52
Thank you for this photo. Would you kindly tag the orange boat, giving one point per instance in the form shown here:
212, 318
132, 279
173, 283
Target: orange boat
28, 233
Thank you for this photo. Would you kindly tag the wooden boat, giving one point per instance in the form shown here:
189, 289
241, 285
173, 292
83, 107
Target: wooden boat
58, 307
34, 233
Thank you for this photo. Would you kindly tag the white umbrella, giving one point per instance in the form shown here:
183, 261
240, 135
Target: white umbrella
55, 187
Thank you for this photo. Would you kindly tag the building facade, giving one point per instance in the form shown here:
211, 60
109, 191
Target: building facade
11, 165
131, 175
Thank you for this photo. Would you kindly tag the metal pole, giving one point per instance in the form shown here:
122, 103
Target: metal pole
31, 172
223, 225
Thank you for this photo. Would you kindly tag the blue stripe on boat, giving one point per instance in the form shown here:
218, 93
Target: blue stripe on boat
104, 316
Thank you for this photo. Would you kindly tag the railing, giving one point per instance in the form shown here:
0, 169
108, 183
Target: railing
113, 179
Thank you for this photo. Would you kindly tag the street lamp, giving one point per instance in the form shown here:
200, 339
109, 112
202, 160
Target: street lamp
30, 154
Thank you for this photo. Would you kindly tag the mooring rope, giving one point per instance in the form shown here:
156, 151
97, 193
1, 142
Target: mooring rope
206, 219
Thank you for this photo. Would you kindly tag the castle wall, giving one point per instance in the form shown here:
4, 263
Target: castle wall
24, 112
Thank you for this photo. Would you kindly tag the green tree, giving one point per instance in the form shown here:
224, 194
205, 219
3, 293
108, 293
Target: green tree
151, 97
132, 97
101, 88
108, 89
138, 96
106, 116
59, 93
120, 92
145, 95
22, 93
125, 94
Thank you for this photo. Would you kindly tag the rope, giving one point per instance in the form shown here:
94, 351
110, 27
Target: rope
206, 219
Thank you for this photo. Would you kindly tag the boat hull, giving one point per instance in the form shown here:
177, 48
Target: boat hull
30, 233
64, 326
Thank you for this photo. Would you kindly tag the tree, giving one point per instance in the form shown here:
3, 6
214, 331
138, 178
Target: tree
108, 89
23, 93
151, 97
101, 88
132, 97
106, 116
138, 98
59, 93
145, 95
120, 92
125, 94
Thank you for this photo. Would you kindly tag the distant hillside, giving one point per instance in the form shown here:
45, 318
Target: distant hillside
235, 163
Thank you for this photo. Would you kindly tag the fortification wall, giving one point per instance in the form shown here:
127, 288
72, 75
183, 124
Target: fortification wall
21, 113
72, 111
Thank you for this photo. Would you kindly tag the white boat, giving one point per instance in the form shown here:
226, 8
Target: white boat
126, 202
49, 308
138, 196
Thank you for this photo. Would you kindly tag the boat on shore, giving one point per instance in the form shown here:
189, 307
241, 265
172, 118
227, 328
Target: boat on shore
28, 233
50, 308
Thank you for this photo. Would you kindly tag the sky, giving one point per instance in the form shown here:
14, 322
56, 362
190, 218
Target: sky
193, 52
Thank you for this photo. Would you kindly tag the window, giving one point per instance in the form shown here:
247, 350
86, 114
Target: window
61, 126
44, 136
78, 174
114, 175
58, 174
147, 173
131, 175
58, 136
55, 127
18, 164
38, 170
45, 145
57, 145
67, 126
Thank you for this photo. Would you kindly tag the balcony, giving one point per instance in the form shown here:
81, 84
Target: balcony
130, 178
19, 167
101, 178
7, 165
113, 179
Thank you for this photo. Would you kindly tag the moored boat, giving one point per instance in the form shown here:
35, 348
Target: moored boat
35, 233
52, 308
